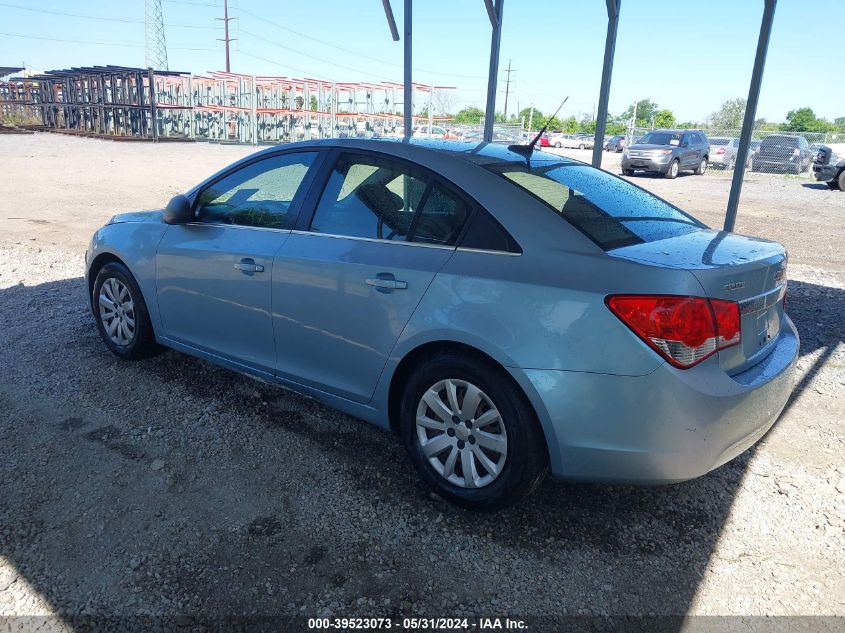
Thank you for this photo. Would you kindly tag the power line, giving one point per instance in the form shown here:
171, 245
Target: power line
101, 18
350, 51
96, 42
315, 58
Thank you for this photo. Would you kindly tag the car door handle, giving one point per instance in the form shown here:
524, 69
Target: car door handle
387, 283
248, 265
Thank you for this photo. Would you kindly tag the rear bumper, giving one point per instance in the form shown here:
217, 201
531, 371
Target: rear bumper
667, 426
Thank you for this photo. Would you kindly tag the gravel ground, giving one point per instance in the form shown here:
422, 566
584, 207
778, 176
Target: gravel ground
170, 486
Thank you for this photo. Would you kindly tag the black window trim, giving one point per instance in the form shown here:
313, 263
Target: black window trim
320, 182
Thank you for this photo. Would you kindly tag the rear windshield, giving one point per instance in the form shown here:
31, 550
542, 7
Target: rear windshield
719, 141
661, 138
782, 141
610, 211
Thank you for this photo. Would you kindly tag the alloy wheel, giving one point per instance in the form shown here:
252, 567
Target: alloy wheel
117, 311
461, 433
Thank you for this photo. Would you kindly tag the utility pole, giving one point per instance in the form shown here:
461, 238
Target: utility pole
507, 88
226, 37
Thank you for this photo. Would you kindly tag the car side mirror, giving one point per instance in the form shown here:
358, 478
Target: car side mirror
178, 210
685, 144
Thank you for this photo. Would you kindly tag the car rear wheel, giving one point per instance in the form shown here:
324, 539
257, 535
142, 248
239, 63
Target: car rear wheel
840, 181
557, 145
470, 432
673, 170
580, 146
702, 168
121, 314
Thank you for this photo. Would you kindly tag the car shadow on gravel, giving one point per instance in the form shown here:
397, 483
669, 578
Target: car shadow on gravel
171, 486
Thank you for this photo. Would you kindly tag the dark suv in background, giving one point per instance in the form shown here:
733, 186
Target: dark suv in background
668, 152
782, 153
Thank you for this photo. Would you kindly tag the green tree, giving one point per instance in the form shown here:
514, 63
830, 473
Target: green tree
646, 109
729, 115
664, 118
569, 125
587, 126
805, 120
469, 116
314, 103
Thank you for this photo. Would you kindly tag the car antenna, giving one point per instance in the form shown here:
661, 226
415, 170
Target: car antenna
527, 150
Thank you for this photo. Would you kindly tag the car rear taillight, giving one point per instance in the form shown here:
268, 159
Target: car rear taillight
683, 330
721, 150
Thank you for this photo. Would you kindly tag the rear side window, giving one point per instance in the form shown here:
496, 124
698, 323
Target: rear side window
369, 197
259, 194
441, 219
608, 210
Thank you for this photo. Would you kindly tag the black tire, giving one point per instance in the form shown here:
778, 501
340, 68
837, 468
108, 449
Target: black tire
627, 172
702, 167
142, 343
840, 180
833, 184
526, 462
673, 170
580, 146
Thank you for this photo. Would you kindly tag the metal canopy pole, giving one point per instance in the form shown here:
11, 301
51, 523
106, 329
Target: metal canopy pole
495, 40
750, 113
613, 7
409, 87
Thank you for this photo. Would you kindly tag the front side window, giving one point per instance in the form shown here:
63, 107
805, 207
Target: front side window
370, 197
608, 210
259, 194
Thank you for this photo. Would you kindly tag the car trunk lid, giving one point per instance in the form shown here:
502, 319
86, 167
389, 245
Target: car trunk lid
733, 267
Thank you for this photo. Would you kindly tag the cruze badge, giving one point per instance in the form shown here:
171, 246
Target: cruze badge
737, 285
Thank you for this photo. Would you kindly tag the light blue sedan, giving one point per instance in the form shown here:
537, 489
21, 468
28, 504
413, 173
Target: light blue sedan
506, 315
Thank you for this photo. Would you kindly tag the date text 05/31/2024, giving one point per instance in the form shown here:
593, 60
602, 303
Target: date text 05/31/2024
413, 624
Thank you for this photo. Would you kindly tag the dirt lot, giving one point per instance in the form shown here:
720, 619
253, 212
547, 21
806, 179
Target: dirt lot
170, 486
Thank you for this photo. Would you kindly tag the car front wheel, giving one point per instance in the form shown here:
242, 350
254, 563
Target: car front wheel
471, 434
673, 170
121, 314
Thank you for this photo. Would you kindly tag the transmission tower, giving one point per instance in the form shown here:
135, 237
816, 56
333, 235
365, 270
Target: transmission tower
156, 47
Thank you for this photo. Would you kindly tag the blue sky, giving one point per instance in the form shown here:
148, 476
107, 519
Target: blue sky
688, 55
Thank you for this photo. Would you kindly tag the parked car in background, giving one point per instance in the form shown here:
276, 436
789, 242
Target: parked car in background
570, 141
829, 167
782, 153
615, 144
505, 316
668, 152
588, 141
436, 132
543, 140
723, 151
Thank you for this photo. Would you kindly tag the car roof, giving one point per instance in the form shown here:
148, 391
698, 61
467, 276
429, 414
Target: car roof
482, 154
